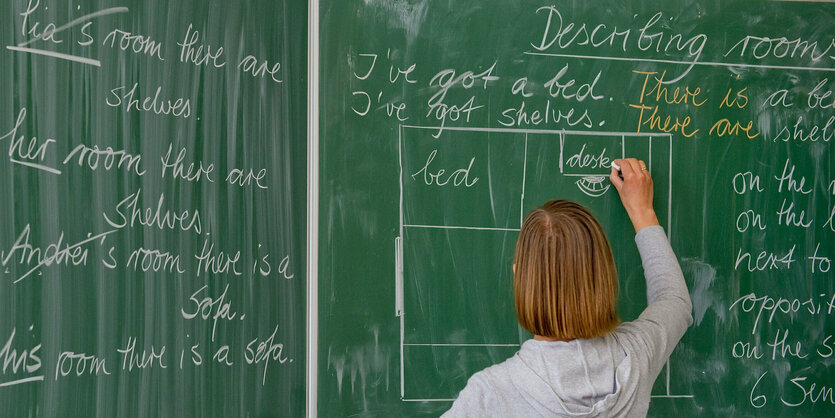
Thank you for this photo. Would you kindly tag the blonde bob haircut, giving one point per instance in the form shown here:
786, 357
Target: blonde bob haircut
565, 283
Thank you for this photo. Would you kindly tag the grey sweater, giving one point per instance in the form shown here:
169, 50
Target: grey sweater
609, 376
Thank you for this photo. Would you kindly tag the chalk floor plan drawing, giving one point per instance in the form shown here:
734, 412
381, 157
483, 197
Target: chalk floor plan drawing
463, 196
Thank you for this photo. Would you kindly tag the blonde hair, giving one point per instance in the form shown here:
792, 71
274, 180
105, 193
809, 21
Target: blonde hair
565, 282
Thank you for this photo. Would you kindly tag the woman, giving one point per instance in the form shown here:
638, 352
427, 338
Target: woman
581, 361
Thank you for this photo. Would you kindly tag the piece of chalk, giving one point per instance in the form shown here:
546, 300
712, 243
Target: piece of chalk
617, 167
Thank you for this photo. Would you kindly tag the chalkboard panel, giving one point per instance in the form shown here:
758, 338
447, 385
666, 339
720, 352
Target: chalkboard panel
444, 122
153, 208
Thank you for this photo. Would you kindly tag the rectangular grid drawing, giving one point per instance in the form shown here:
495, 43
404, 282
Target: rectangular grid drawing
490, 225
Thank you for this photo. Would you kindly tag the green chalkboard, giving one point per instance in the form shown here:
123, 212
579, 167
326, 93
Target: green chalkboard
152, 208
443, 122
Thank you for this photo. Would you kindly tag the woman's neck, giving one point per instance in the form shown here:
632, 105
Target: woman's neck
544, 338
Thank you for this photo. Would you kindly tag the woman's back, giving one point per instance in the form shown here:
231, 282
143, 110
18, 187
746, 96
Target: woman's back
610, 375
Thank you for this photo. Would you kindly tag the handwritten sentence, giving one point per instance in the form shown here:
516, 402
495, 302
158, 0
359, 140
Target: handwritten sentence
192, 48
21, 365
564, 101
32, 152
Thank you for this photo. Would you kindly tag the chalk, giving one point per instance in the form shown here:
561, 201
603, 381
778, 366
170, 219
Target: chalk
617, 167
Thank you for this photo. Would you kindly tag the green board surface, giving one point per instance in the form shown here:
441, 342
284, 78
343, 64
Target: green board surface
443, 122
152, 208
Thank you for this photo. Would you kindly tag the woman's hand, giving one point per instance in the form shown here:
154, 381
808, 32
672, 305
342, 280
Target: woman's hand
635, 190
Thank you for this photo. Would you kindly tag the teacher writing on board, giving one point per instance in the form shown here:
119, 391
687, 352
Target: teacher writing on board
582, 362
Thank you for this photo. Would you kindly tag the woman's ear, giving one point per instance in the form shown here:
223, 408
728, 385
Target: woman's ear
514, 268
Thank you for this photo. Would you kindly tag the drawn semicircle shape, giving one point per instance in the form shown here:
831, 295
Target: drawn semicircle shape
593, 185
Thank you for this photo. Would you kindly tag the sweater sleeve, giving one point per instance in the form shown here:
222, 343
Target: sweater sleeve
668, 314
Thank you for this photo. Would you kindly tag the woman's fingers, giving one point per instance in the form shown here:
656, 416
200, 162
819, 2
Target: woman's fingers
634, 165
614, 177
635, 190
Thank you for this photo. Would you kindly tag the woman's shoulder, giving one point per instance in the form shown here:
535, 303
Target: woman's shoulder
639, 339
485, 390
496, 374
630, 332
